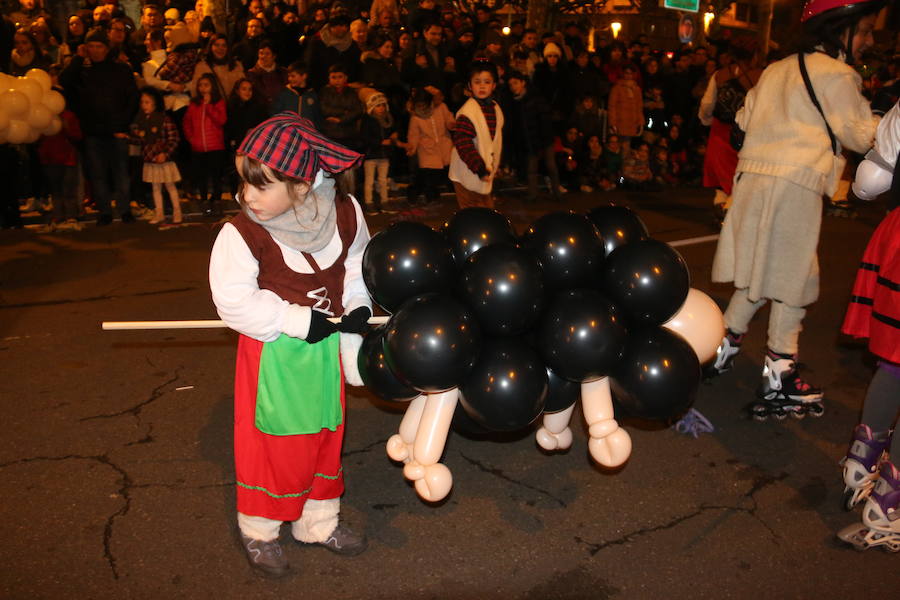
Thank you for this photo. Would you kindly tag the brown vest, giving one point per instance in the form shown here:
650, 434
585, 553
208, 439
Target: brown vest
321, 290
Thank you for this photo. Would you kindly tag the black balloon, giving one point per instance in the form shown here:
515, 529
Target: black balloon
431, 342
476, 227
658, 376
568, 248
375, 373
647, 279
503, 286
561, 393
405, 260
581, 335
617, 226
464, 424
506, 388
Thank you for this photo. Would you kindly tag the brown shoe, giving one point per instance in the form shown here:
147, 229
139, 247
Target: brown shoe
265, 557
345, 542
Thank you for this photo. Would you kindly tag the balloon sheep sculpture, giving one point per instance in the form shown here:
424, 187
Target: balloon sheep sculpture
489, 330
29, 107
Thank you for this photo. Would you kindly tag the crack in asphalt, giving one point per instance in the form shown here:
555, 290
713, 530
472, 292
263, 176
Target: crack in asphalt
135, 410
96, 298
501, 475
758, 484
124, 492
368, 448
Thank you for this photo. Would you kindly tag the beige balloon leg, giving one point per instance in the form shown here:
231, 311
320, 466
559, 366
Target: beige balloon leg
610, 445
555, 433
400, 445
432, 479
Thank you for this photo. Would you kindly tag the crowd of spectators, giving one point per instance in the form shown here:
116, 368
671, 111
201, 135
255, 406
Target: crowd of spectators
383, 78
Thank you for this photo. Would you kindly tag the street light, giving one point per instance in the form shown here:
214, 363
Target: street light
707, 19
616, 27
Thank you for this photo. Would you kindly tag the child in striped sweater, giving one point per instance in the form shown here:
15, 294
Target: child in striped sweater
477, 139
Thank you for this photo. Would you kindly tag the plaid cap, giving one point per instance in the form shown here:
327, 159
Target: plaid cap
291, 145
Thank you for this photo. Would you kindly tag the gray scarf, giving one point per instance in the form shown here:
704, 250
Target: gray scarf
310, 226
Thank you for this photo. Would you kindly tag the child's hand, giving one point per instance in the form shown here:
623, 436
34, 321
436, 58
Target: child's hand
356, 321
332, 119
319, 327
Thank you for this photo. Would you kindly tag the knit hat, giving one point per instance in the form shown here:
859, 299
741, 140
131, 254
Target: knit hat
97, 34
172, 14
552, 48
375, 100
290, 144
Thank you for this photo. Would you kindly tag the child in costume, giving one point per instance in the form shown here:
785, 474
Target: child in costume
870, 467
800, 114
290, 260
477, 139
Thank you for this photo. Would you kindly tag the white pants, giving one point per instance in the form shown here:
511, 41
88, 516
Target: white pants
785, 322
318, 520
370, 167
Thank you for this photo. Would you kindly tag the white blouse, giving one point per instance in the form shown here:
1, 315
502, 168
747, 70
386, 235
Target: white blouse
262, 314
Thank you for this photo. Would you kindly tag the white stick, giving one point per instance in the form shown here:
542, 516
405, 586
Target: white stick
210, 324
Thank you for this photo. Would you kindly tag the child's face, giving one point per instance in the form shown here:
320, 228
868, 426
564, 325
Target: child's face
482, 85
571, 134
269, 201
147, 104
245, 91
587, 103
594, 144
642, 153
296, 79
380, 110
613, 144
337, 80
204, 87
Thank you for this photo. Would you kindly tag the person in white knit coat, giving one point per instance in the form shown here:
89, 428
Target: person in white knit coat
787, 162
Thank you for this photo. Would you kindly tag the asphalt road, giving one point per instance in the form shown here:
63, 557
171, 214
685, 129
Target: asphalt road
116, 476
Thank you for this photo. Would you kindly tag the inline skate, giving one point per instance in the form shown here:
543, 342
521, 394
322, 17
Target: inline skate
725, 354
861, 463
783, 392
881, 515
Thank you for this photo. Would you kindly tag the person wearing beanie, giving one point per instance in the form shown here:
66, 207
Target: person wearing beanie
290, 260
380, 140
551, 79
104, 96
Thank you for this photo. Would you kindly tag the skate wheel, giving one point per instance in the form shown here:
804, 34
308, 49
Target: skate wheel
798, 414
816, 410
780, 415
893, 547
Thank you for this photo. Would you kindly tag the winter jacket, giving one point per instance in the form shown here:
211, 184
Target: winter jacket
242, 117
154, 143
430, 137
303, 102
268, 84
372, 133
626, 108
103, 95
204, 126
59, 149
529, 127
344, 105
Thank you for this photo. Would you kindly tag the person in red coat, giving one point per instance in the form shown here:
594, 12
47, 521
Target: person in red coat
204, 129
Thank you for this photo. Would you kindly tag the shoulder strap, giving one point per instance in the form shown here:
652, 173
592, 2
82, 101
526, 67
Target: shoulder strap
815, 101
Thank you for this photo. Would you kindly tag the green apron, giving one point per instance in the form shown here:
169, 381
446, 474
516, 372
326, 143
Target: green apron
289, 405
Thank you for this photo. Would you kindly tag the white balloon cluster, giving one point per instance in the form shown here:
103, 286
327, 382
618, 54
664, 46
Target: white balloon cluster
29, 108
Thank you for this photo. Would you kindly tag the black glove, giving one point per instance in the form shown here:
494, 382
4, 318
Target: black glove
356, 321
319, 327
